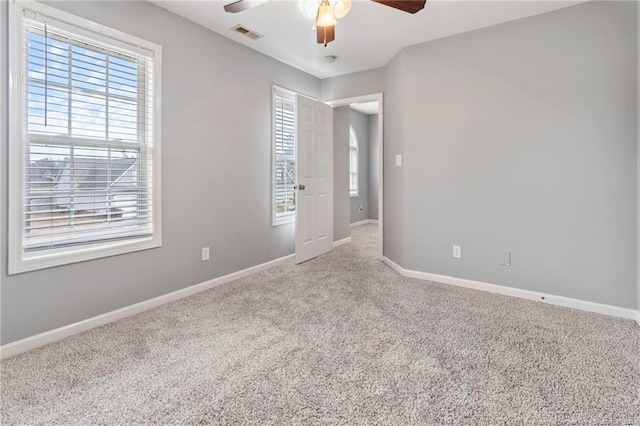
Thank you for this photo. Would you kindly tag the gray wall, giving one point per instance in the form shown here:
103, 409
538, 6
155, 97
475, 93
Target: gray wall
394, 189
355, 84
360, 125
200, 133
374, 165
522, 137
341, 204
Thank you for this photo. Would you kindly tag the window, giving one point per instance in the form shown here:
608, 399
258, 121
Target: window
85, 123
284, 159
353, 162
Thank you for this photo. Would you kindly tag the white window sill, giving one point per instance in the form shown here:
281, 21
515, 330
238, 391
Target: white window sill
25, 262
284, 220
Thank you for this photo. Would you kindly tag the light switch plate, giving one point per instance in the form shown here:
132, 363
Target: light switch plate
505, 258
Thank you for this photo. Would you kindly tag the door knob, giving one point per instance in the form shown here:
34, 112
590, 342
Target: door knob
301, 187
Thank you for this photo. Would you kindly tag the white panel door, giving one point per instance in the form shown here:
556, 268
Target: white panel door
314, 162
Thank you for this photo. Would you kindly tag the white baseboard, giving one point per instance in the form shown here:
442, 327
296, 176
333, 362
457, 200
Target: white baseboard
567, 302
364, 222
341, 242
32, 342
20, 346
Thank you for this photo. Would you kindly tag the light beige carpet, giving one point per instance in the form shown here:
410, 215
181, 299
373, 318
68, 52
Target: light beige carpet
341, 339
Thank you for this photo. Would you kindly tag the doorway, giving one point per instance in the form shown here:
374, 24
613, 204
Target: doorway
366, 178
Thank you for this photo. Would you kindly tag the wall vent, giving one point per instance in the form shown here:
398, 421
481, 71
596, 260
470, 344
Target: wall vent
240, 29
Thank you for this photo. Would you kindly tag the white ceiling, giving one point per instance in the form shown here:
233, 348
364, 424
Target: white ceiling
367, 108
368, 37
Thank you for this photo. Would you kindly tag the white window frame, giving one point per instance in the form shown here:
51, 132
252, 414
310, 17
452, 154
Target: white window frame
19, 261
286, 218
354, 148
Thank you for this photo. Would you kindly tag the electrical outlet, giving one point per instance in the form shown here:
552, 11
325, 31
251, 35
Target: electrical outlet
398, 160
457, 252
505, 258
205, 253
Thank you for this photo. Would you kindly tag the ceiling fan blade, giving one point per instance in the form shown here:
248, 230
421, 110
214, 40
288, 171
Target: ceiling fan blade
409, 6
240, 5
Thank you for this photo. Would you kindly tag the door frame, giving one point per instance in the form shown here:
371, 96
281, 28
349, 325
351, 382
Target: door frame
372, 98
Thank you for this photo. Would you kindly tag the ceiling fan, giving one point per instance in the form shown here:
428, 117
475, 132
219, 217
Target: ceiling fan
326, 12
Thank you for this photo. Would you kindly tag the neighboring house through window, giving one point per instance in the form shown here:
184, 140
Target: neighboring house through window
284, 157
84, 177
353, 162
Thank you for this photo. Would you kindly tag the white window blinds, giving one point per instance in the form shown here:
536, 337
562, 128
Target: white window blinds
353, 163
88, 137
284, 155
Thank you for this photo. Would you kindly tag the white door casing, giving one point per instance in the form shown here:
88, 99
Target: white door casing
314, 175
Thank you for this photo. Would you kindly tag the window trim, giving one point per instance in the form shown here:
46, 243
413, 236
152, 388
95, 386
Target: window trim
354, 136
18, 261
285, 218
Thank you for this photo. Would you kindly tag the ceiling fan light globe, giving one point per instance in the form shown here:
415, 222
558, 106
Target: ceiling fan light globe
341, 8
309, 8
325, 16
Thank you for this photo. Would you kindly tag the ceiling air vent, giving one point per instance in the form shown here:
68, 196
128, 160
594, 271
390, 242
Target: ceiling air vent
247, 32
